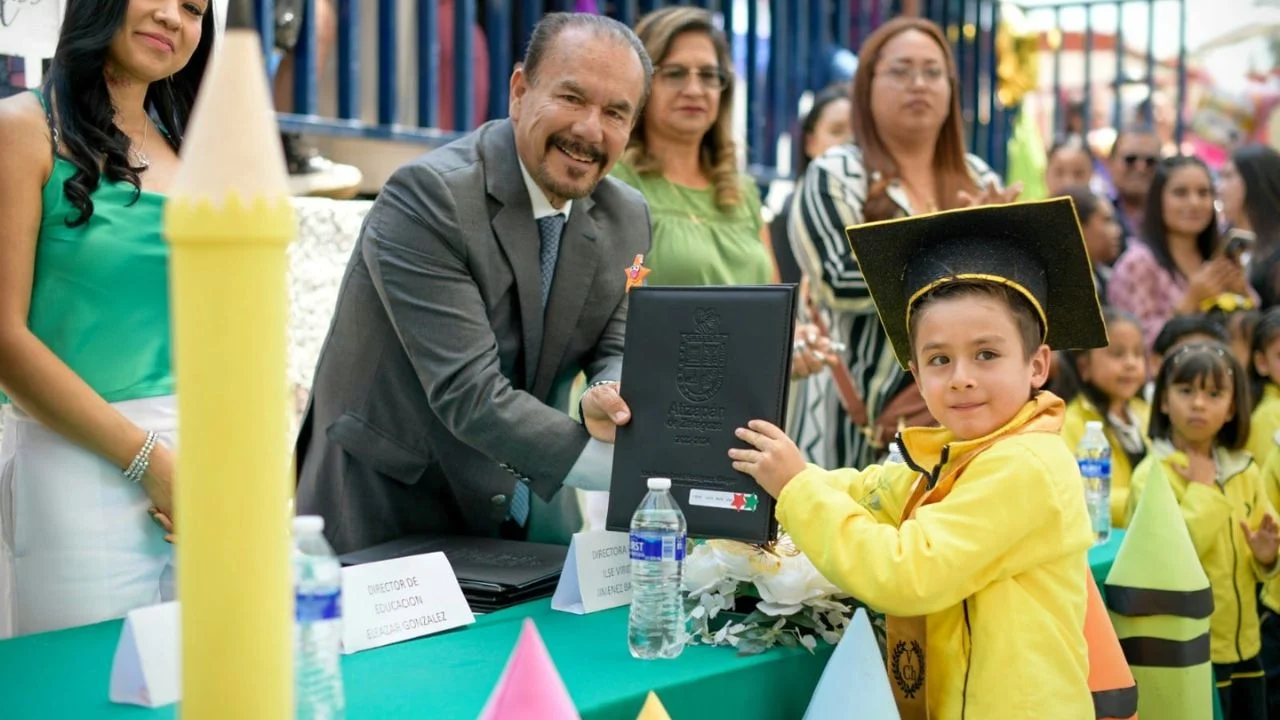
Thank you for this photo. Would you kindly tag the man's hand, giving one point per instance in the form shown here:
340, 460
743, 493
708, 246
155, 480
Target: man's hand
603, 410
773, 462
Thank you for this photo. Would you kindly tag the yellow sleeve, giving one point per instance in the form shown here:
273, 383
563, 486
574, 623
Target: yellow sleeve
1261, 506
1271, 480
1205, 510
949, 550
880, 490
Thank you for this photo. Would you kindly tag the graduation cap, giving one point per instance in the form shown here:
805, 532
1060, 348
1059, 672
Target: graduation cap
1035, 248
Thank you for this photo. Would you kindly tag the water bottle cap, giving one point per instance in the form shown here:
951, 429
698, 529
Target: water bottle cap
308, 525
1093, 425
659, 483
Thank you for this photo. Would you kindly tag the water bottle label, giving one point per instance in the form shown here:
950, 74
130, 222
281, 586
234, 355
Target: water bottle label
657, 546
314, 607
1095, 467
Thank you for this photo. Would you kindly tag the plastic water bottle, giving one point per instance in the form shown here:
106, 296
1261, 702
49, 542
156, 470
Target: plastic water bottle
1093, 455
658, 536
317, 577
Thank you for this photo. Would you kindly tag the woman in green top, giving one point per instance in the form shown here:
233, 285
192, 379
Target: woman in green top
707, 225
89, 410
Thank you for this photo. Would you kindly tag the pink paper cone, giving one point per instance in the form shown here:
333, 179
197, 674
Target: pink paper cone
530, 688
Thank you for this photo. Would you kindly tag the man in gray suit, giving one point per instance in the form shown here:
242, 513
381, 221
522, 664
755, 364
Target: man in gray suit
470, 305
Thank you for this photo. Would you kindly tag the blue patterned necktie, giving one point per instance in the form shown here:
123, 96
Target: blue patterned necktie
549, 230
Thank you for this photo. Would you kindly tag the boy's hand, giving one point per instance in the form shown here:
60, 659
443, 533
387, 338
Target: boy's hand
1265, 542
773, 462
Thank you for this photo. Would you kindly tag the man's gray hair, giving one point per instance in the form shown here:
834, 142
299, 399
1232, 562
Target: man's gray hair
552, 24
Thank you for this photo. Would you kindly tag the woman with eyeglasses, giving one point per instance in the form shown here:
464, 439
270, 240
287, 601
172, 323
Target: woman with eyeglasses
907, 158
1180, 267
707, 223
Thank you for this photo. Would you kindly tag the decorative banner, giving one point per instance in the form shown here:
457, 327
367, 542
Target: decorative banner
29, 28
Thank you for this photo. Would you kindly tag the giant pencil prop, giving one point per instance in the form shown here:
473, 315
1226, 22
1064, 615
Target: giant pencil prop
229, 221
1160, 604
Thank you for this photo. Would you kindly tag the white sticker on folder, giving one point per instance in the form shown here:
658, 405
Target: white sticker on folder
742, 502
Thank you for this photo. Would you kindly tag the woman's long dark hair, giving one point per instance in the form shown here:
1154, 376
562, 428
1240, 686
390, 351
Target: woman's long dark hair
1153, 228
76, 90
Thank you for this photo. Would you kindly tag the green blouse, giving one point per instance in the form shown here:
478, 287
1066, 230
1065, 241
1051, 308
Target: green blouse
696, 243
100, 296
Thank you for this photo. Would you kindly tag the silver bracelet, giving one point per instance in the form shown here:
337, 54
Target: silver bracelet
142, 460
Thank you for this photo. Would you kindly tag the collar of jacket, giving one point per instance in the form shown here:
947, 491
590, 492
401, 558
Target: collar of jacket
1230, 463
928, 450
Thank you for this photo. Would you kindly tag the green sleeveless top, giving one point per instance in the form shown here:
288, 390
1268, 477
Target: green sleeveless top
100, 295
694, 241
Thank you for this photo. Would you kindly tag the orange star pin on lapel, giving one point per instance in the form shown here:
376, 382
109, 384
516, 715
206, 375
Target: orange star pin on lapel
636, 273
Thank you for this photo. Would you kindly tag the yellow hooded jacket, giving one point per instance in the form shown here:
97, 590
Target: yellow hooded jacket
1213, 516
1264, 423
998, 566
1081, 411
1271, 486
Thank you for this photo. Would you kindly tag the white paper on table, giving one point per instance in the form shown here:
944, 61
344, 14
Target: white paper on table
147, 668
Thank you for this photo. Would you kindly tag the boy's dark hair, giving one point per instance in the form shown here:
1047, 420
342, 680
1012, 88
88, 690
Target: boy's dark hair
1181, 326
1198, 362
1264, 333
1071, 142
1024, 315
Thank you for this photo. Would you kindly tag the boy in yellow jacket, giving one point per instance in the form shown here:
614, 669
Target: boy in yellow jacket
976, 546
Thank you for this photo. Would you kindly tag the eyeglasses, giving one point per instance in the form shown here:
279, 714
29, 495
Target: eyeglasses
1131, 161
676, 76
907, 75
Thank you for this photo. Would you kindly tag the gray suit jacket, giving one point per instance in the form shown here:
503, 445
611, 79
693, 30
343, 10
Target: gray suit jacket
442, 382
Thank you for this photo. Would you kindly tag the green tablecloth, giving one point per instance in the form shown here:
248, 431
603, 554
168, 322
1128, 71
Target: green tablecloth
65, 674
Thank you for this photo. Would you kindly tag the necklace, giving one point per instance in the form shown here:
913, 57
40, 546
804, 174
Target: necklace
930, 205
138, 158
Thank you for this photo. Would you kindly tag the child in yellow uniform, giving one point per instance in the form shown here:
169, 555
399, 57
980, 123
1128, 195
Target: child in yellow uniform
1105, 385
1199, 423
1264, 423
976, 546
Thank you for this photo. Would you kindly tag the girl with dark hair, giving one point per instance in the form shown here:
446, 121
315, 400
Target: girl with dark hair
908, 158
825, 126
1249, 187
1199, 424
1101, 232
1105, 384
1264, 384
1179, 268
90, 412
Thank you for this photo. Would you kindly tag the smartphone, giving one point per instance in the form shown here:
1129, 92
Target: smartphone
1239, 245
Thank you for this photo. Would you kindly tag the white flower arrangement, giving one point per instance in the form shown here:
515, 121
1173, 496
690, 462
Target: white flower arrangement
796, 605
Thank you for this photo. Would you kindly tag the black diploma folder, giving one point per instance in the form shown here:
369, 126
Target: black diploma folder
700, 362
493, 573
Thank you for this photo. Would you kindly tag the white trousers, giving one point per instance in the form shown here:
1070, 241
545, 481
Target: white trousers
77, 545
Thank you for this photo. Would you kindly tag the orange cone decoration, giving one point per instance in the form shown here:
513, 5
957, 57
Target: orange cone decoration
1115, 695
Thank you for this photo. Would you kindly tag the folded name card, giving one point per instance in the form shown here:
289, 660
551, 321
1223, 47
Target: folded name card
597, 573
401, 599
147, 667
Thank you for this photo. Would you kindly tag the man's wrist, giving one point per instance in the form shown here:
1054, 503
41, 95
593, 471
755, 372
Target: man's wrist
581, 417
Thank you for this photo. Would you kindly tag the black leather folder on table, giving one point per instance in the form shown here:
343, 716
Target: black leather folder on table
698, 363
493, 573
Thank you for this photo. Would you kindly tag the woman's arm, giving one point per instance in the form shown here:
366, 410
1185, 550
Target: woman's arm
36, 379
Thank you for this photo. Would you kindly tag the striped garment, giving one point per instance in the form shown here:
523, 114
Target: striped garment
829, 199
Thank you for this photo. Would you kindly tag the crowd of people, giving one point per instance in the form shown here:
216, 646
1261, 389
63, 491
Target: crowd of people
489, 277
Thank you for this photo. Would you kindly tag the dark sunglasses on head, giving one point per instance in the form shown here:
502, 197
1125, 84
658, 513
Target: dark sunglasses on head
1148, 160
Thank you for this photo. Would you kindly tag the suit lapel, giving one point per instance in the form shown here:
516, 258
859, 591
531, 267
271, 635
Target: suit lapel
517, 234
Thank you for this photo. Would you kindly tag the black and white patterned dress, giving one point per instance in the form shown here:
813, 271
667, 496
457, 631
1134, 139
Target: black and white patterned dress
828, 199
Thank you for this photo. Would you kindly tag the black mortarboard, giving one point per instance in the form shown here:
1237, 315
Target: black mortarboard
1036, 248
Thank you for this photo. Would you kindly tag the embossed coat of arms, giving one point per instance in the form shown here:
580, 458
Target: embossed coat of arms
703, 357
